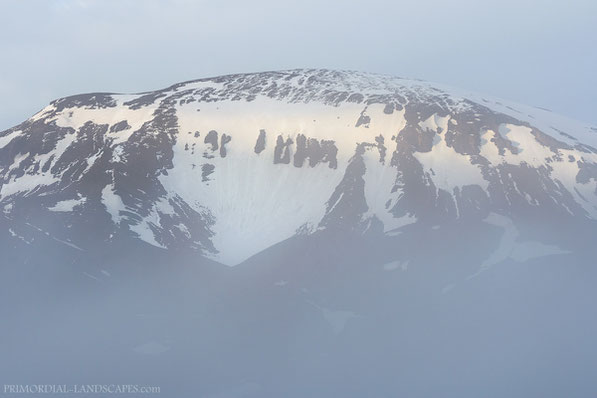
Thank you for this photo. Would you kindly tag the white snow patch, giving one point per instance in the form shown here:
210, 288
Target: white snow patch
90, 162
527, 250
4, 141
26, 183
95, 278
529, 149
77, 117
67, 205
447, 168
15, 235
380, 180
435, 123
535, 154
17, 160
117, 154
29, 182
143, 229
151, 348
394, 265
509, 247
545, 120
146, 234
447, 288
336, 319
56, 153
113, 203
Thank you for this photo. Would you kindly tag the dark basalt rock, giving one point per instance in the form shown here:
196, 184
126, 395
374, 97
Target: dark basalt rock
363, 120
206, 170
145, 100
212, 138
317, 151
260, 144
586, 172
382, 149
120, 126
347, 204
282, 150
89, 101
225, 139
356, 98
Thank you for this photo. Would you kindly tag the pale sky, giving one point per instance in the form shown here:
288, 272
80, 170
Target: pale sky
536, 52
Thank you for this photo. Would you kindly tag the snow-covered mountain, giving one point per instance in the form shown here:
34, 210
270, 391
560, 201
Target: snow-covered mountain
232, 165
382, 231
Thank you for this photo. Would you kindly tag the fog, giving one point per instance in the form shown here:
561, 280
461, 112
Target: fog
317, 316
